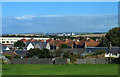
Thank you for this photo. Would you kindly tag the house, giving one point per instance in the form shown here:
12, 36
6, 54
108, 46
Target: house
72, 50
113, 53
87, 42
55, 44
36, 44
11, 53
70, 43
4, 48
12, 40
22, 53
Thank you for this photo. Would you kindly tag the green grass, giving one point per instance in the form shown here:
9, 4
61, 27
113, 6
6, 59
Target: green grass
83, 69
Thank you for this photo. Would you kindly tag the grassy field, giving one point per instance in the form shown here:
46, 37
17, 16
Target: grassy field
83, 69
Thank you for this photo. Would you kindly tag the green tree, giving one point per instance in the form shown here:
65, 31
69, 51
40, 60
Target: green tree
19, 44
17, 56
45, 53
104, 42
66, 54
64, 46
99, 52
113, 36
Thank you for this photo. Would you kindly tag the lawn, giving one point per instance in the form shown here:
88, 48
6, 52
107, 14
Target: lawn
82, 69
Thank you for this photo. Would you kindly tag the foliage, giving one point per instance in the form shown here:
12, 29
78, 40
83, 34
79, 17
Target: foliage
8, 56
19, 44
74, 57
64, 46
45, 53
17, 56
99, 52
20, 48
66, 54
104, 42
113, 36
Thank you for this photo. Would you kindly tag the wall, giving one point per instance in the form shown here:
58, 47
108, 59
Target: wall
92, 61
32, 61
39, 61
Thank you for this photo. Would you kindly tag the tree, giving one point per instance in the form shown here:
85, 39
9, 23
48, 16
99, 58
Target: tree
17, 56
19, 44
64, 46
45, 53
66, 54
113, 36
99, 52
104, 42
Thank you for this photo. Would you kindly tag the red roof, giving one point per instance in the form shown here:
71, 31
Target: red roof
24, 40
92, 43
88, 42
69, 43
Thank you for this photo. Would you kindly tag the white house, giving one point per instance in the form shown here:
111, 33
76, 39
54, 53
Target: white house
41, 45
112, 55
30, 46
12, 40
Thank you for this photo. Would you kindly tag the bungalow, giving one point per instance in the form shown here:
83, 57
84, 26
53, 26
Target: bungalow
37, 44
4, 48
70, 43
56, 44
87, 42
113, 53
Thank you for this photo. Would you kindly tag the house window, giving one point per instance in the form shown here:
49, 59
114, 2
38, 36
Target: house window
3, 41
7, 41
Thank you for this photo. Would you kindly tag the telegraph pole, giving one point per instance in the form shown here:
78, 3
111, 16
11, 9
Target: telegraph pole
110, 52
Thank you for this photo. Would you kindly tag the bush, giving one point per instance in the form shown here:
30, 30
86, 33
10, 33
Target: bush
74, 57
17, 56
45, 53
8, 56
99, 52
64, 46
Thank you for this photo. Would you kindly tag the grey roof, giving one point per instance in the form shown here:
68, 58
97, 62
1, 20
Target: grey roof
72, 50
21, 52
42, 45
95, 49
2, 47
27, 43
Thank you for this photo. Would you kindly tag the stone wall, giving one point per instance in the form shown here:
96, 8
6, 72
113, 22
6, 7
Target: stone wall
92, 61
32, 61
39, 61
60, 61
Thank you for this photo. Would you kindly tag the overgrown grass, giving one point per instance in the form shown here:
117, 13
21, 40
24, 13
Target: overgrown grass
38, 69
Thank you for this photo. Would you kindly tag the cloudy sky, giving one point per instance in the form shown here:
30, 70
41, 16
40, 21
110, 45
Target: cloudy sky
28, 17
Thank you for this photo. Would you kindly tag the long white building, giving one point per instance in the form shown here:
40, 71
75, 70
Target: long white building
12, 40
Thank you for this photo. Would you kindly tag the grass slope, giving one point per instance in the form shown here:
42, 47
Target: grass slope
83, 69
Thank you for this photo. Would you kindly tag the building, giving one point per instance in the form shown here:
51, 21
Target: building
113, 53
87, 42
12, 40
37, 44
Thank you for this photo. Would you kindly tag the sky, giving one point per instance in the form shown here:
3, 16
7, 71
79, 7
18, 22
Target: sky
30, 17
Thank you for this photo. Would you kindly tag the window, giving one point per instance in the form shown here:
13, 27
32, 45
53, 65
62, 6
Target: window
7, 41
3, 41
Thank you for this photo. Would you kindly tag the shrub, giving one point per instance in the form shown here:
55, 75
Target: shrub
74, 57
17, 56
99, 52
8, 56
